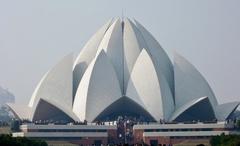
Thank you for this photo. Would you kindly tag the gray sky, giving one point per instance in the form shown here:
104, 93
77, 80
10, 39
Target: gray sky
35, 35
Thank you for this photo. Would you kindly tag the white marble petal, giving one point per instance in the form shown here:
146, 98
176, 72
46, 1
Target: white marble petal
145, 89
189, 83
98, 89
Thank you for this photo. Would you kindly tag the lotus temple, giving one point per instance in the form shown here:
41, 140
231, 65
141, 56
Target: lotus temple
123, 71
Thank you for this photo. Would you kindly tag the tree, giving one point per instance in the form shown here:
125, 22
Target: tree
238, 123
15, 125
8, 140
225, 140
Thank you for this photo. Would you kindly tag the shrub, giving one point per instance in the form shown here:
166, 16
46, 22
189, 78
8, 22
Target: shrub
8, 140
225, 140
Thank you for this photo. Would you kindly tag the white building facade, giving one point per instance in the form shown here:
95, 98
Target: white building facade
123, 71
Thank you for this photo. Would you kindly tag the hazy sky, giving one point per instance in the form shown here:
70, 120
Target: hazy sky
35, 35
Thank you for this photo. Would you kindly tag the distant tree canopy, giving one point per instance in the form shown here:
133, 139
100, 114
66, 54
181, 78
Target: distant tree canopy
15, 125
238, 123
225, 140
8, 140
4, 114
